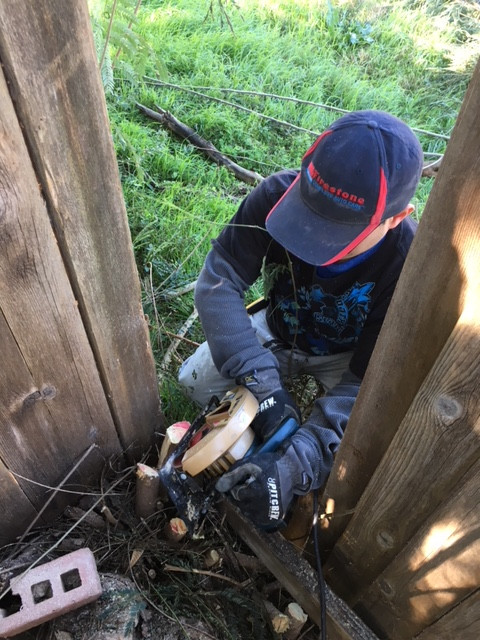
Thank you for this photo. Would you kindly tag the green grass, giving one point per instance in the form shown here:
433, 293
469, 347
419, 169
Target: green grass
413, 58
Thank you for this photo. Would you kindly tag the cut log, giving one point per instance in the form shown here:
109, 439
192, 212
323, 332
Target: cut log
212, 559
175, 530
173, 435
147, 487
279, 621
297, 619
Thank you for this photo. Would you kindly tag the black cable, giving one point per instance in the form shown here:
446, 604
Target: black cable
322, 590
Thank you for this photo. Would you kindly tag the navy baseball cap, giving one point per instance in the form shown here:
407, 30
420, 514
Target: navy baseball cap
363, 169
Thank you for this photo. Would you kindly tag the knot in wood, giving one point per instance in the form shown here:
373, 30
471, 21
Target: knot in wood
31, 399
47, 393
448, 409
385, 539
387, 589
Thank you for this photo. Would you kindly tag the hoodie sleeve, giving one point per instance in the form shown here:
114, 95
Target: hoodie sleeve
219, 298
314, 445
232, 266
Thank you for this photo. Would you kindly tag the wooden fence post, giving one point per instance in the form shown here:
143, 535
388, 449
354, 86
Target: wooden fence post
439, 279
438, 568
48, 57
77, 367
411, 450
52, 404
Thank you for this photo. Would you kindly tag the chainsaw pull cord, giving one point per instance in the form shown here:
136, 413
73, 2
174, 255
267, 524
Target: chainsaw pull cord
321, 580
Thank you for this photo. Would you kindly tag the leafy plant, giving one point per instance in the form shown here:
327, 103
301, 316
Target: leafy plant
344, 29
118, 43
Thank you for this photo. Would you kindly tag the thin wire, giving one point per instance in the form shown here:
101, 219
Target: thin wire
230, 104
196, 90
322, 589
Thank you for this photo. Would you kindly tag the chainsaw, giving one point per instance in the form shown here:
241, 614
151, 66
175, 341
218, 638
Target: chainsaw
218, 437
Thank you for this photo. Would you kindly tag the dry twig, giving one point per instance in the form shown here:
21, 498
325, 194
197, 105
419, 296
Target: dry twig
173, 346
203, 572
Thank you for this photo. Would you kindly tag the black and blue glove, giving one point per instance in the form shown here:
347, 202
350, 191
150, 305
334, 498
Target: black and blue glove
302, 463
276, 405
262, 486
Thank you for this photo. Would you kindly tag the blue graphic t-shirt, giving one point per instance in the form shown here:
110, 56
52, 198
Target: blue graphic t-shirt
326, 322
318, 319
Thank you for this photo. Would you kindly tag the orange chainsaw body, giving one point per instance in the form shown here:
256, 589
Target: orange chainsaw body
226, 436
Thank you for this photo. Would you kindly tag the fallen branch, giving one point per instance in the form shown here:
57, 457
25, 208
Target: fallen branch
430, 170
186, 133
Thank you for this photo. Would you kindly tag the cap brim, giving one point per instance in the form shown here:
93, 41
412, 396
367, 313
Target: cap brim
309, 236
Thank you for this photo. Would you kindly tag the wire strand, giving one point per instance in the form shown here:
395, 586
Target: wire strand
321, 580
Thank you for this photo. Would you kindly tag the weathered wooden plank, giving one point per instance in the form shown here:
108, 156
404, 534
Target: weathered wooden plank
299, 579
439, 567
461, 623
427, 303
52, 404
436, 444
14, 519
30, 412
47, 52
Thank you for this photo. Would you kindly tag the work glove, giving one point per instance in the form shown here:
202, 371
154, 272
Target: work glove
275, 404
262, 486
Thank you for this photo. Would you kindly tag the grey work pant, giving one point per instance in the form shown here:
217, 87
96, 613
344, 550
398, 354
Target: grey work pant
201, 379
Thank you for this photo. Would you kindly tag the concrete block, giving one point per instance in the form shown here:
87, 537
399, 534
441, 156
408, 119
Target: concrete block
51, 589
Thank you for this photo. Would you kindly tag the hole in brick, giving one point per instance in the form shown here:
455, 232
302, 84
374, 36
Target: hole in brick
9, 605
42, 591
71, 580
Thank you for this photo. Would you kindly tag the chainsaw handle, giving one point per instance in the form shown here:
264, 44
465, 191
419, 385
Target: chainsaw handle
288, 428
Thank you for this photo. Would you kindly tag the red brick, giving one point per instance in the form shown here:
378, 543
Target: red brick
43, 595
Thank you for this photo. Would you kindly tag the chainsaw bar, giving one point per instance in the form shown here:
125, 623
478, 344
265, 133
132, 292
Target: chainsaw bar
225, 437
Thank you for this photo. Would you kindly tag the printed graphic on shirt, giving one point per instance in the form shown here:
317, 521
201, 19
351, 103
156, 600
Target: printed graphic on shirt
328, 323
